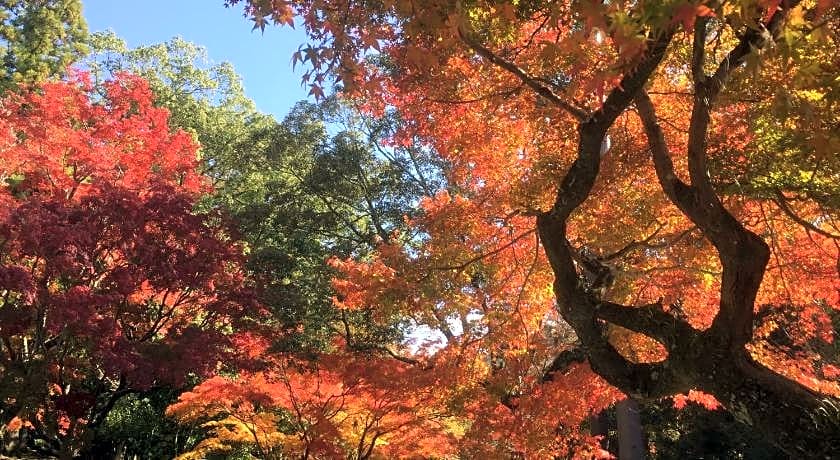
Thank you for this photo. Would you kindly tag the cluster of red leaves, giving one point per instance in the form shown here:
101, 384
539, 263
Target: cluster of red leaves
129, 274
105, 270
363, 283
704, 399
65, 142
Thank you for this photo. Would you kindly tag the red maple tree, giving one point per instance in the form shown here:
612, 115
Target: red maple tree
110, 282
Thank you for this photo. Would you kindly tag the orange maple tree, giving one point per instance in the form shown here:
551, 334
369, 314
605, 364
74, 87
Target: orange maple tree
343, 406
657, 176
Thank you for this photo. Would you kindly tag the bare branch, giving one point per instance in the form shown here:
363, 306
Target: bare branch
520, 73
629, 247
503, 94
698, 50
781, 201
674, 188
485, 255
752, 39
402, 358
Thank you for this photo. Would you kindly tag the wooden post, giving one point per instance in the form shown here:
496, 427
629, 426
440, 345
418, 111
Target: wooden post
631, 445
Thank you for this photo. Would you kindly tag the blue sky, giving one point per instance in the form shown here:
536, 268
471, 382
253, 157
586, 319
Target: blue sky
263, 60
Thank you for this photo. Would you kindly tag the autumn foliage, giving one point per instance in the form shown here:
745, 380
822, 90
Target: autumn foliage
652, 184
639, 200
339, 407
110, 282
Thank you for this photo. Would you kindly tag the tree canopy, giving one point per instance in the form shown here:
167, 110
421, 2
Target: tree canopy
660, 175
501, 225
40, 39
106, 271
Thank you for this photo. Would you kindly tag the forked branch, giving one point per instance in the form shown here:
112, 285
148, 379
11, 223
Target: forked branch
781, 201
533, 82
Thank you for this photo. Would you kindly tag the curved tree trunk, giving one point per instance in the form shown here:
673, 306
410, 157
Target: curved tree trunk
797, 420
800, 422
794, 418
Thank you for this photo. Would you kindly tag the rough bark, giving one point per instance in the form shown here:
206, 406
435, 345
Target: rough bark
799, 421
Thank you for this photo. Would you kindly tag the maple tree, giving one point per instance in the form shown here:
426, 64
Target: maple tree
653, 182
342, 406
111, 283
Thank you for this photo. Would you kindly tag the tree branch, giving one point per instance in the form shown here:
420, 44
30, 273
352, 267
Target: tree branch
743, 254
578, 181
576, 305
675, 189
520, 73
562, 361
650, 320
485, 255
100, 415
578, 308
504, 94
629, 247
698, 50
752, 39
781, 201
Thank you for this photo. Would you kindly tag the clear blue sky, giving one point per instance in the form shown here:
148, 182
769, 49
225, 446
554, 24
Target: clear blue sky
263, 60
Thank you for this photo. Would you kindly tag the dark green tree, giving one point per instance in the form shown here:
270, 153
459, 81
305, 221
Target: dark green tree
315, 185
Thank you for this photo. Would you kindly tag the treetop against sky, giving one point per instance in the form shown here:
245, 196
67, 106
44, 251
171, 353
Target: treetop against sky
263, 59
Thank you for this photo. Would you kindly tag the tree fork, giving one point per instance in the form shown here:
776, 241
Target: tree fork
790, 415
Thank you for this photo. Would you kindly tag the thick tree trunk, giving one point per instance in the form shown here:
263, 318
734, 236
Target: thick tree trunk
800, 422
